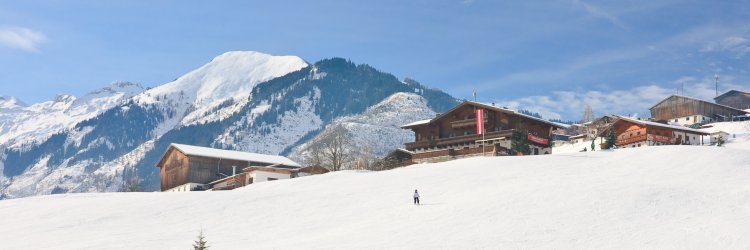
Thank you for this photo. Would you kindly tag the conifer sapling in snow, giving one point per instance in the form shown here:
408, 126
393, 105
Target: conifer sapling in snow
200, 243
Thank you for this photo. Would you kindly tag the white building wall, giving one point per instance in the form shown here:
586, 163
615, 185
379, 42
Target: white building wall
690, 120
261, 176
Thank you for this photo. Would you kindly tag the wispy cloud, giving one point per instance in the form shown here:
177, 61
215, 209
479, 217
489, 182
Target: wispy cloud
635, 101
21, 38
600, 13
737, 45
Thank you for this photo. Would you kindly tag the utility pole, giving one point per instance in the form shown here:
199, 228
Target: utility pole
716, 77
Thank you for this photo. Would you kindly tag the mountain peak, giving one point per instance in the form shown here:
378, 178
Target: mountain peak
10, 102
64, 98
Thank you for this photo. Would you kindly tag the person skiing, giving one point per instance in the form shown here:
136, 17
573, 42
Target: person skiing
416, 197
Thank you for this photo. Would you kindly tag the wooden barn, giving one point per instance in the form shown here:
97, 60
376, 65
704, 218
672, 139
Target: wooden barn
190, 168
687, 111
632, 133
454, 134
734, 98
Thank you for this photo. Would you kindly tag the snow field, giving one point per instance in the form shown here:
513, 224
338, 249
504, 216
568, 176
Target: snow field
688, 197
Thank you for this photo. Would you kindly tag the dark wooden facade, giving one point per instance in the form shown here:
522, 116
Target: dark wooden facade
676, 106
453, 134
396, 158
734, 98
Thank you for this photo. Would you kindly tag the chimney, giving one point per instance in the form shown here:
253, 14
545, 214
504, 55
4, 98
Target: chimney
234, 170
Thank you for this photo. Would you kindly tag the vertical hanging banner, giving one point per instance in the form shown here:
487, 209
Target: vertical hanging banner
480, 121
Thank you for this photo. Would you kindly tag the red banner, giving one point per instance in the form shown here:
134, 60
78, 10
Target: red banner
480, 121
539, 140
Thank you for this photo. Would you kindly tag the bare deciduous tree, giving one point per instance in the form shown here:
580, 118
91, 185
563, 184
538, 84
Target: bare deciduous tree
335, 147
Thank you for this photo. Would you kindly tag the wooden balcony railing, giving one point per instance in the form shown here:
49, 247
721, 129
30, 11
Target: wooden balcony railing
465, 123
630, 140
458, 139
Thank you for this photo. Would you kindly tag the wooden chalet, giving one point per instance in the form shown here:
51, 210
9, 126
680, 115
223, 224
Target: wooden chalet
631, 133
191, 168
453, 134
687, 111
735, 99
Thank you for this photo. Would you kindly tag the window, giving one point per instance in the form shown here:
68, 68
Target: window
466, 132
687, 118
272, 179
675, 120
250, 180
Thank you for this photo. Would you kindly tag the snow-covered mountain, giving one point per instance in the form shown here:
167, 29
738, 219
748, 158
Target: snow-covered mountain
378, 128
240, 100
10, 102
21, 124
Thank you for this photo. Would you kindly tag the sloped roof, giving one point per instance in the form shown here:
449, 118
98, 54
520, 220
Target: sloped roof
656, 124
730, 92
417, 123
693, 98
486, 106
232, 155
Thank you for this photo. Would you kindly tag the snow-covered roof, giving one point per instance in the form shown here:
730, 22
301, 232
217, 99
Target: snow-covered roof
234, 155
417, 123
656, 124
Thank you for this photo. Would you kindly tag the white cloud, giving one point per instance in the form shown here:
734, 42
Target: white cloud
21, 38
569, 105
598, 12
737, 45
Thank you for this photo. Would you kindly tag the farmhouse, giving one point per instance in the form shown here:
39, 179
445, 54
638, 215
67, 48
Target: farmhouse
687, 111
636, 133
191, 168
734, 98
456, 133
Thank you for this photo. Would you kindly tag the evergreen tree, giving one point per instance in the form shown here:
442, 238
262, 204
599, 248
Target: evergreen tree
520, 142
611, 139
200, 243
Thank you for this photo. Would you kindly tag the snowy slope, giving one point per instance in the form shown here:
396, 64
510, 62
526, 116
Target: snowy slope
729, 127
378, 128
623, 199
21, 124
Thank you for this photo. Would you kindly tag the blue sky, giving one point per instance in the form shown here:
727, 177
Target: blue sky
553, 57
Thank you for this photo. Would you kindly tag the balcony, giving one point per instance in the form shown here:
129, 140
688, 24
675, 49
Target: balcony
466, 123
630, 140
458, 139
